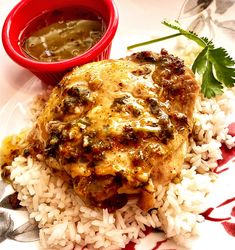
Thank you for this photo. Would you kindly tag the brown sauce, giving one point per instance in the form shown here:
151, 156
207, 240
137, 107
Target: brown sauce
61, 34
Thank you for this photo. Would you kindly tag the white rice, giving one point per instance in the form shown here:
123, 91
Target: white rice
65, 222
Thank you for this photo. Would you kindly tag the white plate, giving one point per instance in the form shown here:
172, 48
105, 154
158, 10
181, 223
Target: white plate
139, 20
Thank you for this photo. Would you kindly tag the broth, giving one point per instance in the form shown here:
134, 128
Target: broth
62, 34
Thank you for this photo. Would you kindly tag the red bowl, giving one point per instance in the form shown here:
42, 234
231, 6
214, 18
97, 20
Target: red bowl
52, 72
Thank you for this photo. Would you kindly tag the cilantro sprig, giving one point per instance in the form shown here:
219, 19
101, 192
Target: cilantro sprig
214, 65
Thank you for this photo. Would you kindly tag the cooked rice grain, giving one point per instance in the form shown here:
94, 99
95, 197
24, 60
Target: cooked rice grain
177, 211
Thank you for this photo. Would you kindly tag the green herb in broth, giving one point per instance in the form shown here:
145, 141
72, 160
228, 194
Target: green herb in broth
63, 40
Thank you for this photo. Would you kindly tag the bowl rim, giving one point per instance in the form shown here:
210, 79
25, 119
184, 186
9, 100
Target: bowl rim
63, 65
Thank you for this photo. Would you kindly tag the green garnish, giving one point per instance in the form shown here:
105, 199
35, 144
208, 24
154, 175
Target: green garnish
214, 64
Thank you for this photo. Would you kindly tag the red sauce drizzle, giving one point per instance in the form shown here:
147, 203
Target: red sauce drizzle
233, 212
227, 155
131, 245
229, 227
207, 213
159, 243
207, 216
217, 171
231, 129
226, 202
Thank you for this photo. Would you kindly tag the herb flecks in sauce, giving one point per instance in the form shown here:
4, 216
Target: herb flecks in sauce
11, 147
60, 38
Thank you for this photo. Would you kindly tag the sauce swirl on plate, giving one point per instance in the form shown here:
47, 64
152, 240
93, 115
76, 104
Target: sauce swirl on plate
62, 34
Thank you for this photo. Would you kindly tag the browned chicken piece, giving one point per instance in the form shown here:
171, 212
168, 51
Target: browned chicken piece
119, 127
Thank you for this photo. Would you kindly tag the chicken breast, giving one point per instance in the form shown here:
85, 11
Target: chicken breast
119, 127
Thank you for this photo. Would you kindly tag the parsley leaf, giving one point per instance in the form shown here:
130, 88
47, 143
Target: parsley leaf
210, 86
214, 65
200, 62
222, 63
